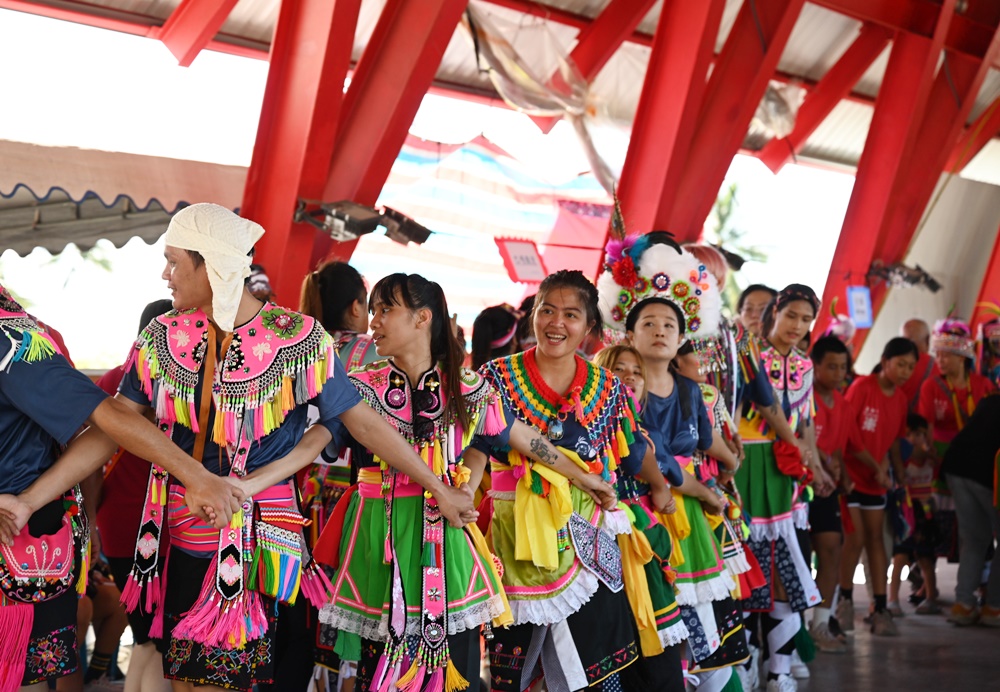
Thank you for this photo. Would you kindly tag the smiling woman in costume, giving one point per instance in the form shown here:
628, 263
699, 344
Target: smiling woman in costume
563, 572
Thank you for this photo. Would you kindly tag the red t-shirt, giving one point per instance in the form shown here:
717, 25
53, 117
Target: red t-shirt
921, 373
881, 420
120, 511
938, 406
834, 424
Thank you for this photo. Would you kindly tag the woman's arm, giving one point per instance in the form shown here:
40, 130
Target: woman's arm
692, 487
722, 452
534, 445
659, 491
475, 461
305, 452
896, 458
821, 479
776, 420
372, 431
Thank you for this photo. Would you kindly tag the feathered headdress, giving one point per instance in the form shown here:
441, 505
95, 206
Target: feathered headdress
654, 266
952, 335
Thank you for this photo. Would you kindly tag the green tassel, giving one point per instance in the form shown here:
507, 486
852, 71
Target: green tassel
252, 578
804, 644
536, 483
427, 556
642, 521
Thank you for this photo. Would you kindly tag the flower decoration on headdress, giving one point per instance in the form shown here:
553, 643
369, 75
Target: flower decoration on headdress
952, 335
654, 266
841, 326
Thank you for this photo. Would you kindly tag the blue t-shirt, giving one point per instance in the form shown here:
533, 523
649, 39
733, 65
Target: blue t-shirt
338, 396
758, 390
42, 404
673, 434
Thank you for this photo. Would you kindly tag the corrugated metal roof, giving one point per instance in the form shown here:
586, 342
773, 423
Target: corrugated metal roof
818, 40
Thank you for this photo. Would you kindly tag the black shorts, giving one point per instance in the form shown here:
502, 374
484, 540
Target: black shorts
866, 501
824, 515
139, 621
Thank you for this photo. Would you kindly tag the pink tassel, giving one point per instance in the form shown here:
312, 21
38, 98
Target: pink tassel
494, 420
391, 678
131, 594
388, 551
16, 621
153, 594
380, 670
225, 625
417, 683
436, 683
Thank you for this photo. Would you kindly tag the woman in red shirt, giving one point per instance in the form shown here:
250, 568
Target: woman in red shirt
880, 409
949, 397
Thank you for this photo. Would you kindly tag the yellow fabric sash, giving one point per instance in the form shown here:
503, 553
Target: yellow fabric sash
538, 518
636, 552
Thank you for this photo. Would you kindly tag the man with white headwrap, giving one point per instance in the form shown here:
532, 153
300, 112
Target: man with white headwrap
229, 379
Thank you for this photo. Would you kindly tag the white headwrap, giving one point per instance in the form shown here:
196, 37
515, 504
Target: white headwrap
223, 239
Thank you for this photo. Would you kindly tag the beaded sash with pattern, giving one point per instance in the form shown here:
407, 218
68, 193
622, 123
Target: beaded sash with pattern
28, 341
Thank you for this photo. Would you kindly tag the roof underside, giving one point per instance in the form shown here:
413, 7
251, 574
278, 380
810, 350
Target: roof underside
819, 39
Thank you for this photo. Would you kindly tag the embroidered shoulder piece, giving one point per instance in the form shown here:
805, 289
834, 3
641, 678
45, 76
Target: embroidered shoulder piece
275, 362
28, 341
600, 401
791, 377
421, 414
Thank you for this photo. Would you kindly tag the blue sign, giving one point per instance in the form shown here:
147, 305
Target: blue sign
859, 305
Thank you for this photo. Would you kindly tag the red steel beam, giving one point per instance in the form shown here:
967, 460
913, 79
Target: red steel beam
831, 90
899, 109
989, 290
735, 88
394, 73
192, 26
669, 104
975, 137
599, 39
310, 57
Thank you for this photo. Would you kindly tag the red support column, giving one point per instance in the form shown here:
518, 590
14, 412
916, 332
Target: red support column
599, 40
310, 57
899, 109
668, 108
393, 75
738, 81
192, 25
975, 137
989, 290
824, 97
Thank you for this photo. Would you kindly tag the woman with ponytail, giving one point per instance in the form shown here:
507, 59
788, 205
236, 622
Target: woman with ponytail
410, 593
493, 333
336, 295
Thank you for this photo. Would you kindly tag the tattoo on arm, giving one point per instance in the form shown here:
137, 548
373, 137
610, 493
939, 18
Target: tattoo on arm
773, 408
541, 449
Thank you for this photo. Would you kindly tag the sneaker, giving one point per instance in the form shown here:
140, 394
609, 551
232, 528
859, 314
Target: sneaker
783, 683
990, 617
825, 640
963, 615
836, 630
845, 614
743, 673
800, 671
893, 607
882, 624
928, 607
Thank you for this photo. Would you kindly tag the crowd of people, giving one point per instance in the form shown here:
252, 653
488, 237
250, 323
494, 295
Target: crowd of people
618, 487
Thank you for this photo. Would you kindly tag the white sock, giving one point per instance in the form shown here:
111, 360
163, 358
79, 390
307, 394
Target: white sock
821, 615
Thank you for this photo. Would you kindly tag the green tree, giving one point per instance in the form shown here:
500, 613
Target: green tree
726, 236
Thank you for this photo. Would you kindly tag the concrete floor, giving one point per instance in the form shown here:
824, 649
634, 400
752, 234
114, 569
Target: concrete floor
929, 654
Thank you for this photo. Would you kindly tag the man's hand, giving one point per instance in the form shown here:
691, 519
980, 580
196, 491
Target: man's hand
595, 486
822, 483
663, 500
214, 499
735, 444
14, 514
456, 505
469, 516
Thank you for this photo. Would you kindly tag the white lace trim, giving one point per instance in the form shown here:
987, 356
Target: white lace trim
370, 628
559, 607
616, 522
738, 563
800, 516
771, 531
674, 634
715, 589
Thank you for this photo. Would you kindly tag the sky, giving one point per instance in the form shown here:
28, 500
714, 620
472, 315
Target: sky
90, 88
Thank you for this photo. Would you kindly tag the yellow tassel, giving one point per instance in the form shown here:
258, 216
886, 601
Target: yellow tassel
81, 581
219, 428
438, 466
155, 487
237, 521
287, 394
409, 675
622, 442
453, 680
163, 492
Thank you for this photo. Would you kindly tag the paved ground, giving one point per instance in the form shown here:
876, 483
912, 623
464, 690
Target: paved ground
929, 653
